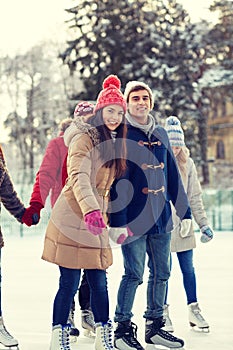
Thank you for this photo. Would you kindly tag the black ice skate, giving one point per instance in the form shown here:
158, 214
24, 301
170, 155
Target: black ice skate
157, 336
125, 336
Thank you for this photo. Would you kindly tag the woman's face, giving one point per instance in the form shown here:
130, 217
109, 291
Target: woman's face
112, 116
176, 150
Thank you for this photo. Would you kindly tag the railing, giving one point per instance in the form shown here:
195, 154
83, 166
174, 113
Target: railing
218, 206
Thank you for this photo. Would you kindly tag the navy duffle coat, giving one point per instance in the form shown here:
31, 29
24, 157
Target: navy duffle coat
141, 198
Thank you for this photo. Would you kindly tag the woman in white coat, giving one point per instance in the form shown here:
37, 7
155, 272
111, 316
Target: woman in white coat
183, 238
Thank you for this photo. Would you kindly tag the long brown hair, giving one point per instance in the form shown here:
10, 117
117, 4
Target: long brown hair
111, 152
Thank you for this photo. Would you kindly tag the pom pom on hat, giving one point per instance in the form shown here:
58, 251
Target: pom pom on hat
110, 94
112, 80
83, 108
174, 131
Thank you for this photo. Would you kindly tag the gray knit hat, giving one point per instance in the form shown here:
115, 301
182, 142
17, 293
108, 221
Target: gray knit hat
174, 131
131, 85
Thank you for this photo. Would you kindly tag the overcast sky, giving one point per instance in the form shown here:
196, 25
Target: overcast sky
23, 23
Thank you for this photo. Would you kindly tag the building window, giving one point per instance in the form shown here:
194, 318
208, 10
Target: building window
220, 150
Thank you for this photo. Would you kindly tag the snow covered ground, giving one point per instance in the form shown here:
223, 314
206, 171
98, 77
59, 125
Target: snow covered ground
29, 286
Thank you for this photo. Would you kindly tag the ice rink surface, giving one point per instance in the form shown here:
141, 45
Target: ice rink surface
29, 285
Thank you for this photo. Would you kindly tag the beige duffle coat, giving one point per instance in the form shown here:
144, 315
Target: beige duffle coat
67, 241
193, 189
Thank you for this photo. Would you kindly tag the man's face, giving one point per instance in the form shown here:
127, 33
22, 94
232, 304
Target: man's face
139, 105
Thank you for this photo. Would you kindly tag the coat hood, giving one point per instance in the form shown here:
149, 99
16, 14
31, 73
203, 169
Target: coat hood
79, 127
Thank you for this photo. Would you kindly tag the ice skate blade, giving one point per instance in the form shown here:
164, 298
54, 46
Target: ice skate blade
195, 328
11, 347
159, 347
89, 334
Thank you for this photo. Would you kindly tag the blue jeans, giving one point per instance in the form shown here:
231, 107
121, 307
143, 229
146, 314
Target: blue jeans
68, 286
189, 279
157, 247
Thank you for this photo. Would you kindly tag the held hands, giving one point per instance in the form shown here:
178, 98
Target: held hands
31, 215
119, 234
94, 222
207, 234
185, 227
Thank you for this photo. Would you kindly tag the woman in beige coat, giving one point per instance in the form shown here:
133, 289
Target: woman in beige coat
76, 236
183, 238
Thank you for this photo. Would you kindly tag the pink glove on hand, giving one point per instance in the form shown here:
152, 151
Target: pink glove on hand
94, 222
119, 234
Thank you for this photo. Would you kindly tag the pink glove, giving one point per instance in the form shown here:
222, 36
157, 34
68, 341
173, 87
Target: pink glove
94, 222
119, 234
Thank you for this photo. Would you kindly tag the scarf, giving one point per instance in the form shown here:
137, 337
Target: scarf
146, 128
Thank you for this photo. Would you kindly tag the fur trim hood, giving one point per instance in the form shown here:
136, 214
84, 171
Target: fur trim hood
77, 128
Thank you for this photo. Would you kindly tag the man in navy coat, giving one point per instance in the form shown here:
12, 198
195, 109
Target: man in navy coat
140, 209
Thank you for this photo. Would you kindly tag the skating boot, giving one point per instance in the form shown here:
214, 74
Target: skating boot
156, 335
196, 319
6, 338
103, 339
74, 332
60, 338
125, 336
88, 323
168, 323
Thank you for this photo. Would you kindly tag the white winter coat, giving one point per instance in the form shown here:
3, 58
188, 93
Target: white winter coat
193, 189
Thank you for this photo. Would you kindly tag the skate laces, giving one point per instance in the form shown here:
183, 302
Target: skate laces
197, 312
5, 332
88, 318
106, 334
65, 337
166, 335
131, 332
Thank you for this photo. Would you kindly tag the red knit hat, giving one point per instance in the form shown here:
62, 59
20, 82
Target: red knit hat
83, 108
111, 94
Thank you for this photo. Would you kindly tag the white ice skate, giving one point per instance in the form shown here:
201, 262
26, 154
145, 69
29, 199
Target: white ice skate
88, 323
168, 323
196, 319
6, 338
103, 340
60, 338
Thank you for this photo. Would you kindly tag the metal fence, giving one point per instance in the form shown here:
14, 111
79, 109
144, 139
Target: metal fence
218, 206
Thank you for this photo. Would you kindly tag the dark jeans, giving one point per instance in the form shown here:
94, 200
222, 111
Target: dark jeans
68, 286
189, 278
84, 293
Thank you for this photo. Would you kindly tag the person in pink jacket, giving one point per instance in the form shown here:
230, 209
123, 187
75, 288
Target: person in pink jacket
50, 179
